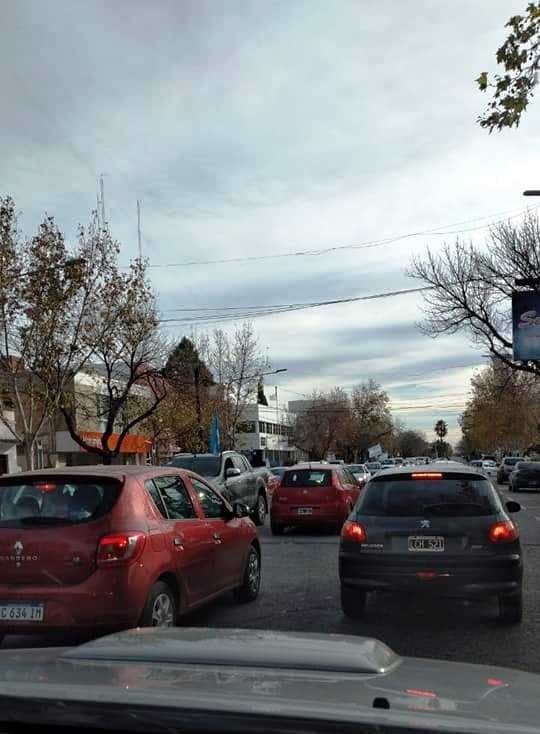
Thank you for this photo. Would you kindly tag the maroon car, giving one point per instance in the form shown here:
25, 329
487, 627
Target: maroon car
100, 548
313, 494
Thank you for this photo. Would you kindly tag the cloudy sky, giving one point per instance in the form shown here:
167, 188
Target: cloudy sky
251, 128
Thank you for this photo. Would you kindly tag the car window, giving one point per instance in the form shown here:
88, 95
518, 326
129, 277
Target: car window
458, 495
55, 501
205, 465
212, 505
238, 462
307, 478
175, 497
228, 465
247, 465
153, 491
511, 462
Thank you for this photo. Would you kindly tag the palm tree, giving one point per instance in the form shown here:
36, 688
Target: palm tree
441, 429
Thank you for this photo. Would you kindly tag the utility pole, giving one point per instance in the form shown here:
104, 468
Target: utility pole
102, 199
139, 228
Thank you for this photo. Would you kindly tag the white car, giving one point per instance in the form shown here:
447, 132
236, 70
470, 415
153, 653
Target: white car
487, 467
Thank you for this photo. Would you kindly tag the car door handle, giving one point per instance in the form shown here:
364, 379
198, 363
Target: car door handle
177, 541
217, 538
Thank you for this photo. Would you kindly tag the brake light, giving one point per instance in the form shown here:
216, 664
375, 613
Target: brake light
503, 532
420, 694
354, 532
120, 549
45, 486
427, 475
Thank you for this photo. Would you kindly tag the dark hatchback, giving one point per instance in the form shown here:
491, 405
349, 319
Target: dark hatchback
526, 475
441, 531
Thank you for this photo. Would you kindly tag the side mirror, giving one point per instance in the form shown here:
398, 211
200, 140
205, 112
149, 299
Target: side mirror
513, 506
240, 510
232, 471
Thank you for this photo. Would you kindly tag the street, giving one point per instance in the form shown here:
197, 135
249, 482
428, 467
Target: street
300, 592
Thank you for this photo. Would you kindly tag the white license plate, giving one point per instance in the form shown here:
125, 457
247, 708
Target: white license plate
426, 543
21, 612
305, 510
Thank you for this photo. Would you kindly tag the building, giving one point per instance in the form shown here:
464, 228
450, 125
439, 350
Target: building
8, 442
267, 429
91, 419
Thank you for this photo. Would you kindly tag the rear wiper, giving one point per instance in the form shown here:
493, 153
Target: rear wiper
42, 520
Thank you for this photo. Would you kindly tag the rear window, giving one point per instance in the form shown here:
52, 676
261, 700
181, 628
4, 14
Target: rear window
456, 496
356, 468
47, 501
529, 466
512, 462
307, 478
373, 465
206, 466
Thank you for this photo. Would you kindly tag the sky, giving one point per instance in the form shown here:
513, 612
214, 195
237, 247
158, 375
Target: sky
253, 128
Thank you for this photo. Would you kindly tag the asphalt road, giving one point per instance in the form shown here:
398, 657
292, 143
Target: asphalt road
300, 592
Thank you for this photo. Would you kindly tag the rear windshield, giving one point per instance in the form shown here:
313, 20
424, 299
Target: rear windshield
206, 466
513, 461
356, 468
46, 501
373, 465
456, 496
529, 466
307, 478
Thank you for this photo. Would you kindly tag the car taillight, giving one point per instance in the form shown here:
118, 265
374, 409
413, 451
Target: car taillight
503, 532
426, 475
354, 532
120, 549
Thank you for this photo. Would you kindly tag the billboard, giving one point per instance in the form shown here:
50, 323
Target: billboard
375, 451
526, 325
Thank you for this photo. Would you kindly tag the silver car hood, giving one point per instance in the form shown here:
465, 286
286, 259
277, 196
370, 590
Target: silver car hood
318, 677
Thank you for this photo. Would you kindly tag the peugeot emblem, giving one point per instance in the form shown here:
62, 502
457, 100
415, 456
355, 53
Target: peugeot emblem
425, 524
18, 548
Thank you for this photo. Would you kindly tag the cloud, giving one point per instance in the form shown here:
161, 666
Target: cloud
253, 128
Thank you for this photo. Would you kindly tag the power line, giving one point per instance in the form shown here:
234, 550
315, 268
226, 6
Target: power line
435, 231
287, 308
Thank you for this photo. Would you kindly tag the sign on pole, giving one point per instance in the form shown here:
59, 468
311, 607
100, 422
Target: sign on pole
375, 451
526, 325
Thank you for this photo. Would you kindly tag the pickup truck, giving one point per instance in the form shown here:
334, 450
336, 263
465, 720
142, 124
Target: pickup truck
234, 477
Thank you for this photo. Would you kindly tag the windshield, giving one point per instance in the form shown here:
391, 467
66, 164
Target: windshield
513, 461
373, 466
48, 501
357, 468
448, 497
206, 466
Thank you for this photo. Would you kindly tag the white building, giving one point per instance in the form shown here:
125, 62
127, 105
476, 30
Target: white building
266, 428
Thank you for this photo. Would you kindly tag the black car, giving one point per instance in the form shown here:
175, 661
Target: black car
526, 475
440, 530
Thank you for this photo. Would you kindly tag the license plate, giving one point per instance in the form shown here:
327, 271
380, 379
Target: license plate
426, 543
305, 510
21, 612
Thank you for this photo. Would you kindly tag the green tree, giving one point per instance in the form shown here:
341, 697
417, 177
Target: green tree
441, 429
520, 57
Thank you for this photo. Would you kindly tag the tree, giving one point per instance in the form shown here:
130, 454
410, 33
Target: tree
324, 427
45, 298
441, 429
411, 443
236, 364
371, 418
469, 288
189, 376
503, 411
520, 56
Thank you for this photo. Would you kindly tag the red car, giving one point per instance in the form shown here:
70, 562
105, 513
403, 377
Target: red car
313, 494
112, 547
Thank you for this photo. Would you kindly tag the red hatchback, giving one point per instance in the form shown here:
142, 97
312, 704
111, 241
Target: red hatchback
101, 548
313, 494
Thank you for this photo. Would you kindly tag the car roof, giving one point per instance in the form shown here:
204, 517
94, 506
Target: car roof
447, 467
117, 471
313, 465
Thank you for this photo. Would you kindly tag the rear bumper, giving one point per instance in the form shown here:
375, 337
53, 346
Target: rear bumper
502, 576
108, 599
331, 512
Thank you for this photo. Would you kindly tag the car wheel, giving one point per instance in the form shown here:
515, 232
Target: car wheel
276, 528
259, 513
511, 609
353, 603
252, 578
160, 607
